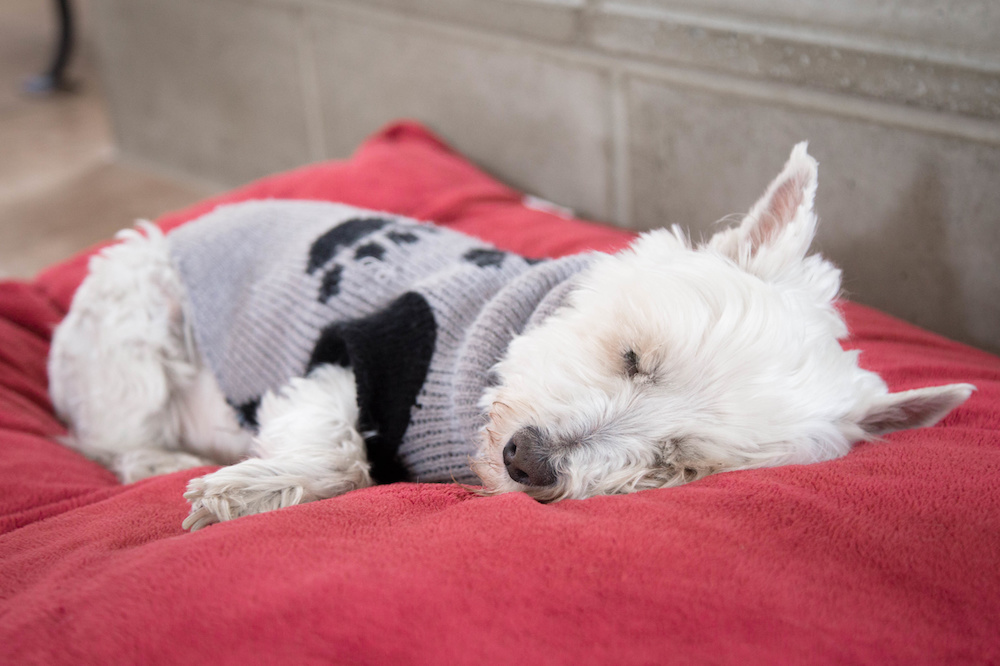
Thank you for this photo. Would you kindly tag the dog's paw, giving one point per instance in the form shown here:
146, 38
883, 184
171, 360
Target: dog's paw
231, 493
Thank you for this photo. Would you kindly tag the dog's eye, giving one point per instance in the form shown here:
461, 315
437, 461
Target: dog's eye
631, 364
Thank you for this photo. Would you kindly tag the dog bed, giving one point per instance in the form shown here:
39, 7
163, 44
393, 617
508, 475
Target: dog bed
889, 555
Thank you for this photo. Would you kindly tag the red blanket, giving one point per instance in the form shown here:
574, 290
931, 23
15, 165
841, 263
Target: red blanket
889, 555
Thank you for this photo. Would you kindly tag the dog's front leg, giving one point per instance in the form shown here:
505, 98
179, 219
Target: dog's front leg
308, 447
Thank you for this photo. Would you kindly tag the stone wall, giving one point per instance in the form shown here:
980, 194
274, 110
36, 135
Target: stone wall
636, 112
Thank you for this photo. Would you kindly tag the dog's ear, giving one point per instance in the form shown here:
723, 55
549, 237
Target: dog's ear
918, 408
780, 227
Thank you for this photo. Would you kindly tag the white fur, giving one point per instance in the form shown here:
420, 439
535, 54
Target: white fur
307, 449
123, 370
668, 362
738, 356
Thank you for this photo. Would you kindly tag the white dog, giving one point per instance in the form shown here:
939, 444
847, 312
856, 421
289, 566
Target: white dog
373, 349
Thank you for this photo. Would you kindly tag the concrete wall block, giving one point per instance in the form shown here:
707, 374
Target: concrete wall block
554, 21
539, 122
961, 30
910, 217
208, 87
821, 59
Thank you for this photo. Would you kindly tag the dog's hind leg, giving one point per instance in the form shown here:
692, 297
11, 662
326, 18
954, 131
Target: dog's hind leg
138, 464
206, 427
122, 370
309, 448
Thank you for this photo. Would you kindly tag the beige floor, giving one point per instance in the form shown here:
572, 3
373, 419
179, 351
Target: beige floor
61, 186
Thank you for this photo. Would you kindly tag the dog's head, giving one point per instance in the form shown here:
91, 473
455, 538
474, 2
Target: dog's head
669, 362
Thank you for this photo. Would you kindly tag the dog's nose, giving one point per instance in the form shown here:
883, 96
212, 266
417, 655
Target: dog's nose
525, 463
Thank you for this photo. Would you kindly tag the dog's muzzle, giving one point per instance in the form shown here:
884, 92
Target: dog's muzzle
525, 461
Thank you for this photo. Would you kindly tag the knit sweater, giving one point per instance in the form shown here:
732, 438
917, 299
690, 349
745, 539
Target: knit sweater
420, 313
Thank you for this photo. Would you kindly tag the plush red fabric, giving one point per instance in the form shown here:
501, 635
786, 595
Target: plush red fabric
889, 555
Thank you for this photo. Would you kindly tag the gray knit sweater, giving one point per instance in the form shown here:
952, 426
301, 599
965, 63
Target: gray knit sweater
420, 313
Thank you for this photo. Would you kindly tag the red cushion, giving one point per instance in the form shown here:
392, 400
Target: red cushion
891, 554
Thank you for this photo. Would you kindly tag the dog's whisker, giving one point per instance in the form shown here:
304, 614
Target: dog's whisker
497, 403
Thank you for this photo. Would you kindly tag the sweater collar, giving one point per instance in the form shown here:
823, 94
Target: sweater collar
526, 302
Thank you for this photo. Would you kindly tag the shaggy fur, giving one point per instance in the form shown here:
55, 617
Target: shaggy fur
667, 362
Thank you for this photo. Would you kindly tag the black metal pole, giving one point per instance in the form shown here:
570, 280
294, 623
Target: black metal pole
54, 77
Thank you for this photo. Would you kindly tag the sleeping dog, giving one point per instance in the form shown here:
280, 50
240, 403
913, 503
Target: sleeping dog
316, 348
